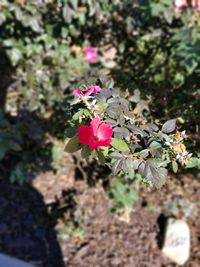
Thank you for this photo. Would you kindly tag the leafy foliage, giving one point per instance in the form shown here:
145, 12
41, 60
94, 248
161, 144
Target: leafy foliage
194, 162
123, 198
142, 45
137, 145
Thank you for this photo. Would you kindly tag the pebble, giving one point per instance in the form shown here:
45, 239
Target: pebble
7, 261
177, 241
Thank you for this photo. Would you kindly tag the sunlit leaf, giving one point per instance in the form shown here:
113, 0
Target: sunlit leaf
119, 144
73, 145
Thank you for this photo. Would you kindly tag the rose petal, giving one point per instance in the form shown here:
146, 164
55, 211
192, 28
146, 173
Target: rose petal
78, 92
105, 142
89, 91
96, 89
90, 54
96, 135
93, 90
95, 123
104, 132
84, 134
94, 144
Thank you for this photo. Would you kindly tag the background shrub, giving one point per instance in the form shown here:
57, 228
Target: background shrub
140, 44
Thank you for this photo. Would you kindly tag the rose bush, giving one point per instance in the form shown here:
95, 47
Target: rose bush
108, 126
98, 134
49, 47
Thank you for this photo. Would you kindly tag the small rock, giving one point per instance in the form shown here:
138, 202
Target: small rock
177, 241
7, 261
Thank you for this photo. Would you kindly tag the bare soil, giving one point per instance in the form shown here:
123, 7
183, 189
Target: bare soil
36, 221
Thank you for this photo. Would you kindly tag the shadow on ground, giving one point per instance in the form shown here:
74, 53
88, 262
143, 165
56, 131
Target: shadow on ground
25, 229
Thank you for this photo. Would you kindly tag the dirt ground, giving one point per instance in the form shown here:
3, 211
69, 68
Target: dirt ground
36, 223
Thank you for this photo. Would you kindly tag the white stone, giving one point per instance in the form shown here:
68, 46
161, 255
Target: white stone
177, 241
7, 261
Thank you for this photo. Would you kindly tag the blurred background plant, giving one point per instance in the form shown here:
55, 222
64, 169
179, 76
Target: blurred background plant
142, 45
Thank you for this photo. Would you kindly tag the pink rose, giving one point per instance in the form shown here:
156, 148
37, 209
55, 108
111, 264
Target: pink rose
97, 134
180, 5
196, 4
90, 54
78, 92
94, 89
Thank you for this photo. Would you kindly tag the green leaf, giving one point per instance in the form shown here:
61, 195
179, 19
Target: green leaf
57, 153
152, 127
116, 155
2, 18
136, 130
191, 62
15, 55
194, 163
156, 149
159, 176
74, 3
117, 165
118, 191
174, 166
128, 166
77, 115
144, 153
119, 144
102, 106
157, 9
85, 152
86, 112
73, 145
94, 153
169, 126
104, 150
101, 157
121, 132
122, 196
70, 132
130, 198
34, 24
67, 13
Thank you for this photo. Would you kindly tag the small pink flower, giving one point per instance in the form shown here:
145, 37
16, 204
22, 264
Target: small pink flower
90, 54
180, 5
78, 92
196, 4
94, 89
162, 100
97, 134
21, 2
